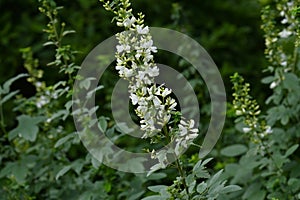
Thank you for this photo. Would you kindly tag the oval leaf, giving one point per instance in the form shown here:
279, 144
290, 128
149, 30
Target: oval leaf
234, 150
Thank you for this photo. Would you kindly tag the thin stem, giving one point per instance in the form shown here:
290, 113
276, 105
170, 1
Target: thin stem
178, 165
296, 59
271, 157
182, 174
2, 124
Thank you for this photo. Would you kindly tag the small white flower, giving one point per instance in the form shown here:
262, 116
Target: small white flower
284, 63
172, 104
182, 130
134, 99
147, 44
38, 84
142, 30
128, 72
156, 101
42, 101
191, 123
238, 112
192, 136
269, 130
183, 123
166, 92
154, 71
273, 85
285, 33
128, 22
284, 21
120, 48
246, 129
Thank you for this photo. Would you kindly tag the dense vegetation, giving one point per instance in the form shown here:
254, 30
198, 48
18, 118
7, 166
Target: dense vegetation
255, 45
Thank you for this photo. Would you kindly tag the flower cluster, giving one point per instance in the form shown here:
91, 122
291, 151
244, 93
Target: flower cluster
248, 111
277, 37
135, 63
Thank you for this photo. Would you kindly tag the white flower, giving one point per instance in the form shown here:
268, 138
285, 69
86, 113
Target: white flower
285, 33
191, 123
166, 92
153, 71
134, 99
128, 72
121, 48
273, 85
246, 129
156, 101
182, 130
38, 84
128, 22
269, 130
172, 103
284, 63
141, 30
147, 44
284, 21
42, 101
238, 112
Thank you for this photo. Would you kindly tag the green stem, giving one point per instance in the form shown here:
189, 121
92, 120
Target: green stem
178, 165
182, 174
2, 124
296, 57
270, 155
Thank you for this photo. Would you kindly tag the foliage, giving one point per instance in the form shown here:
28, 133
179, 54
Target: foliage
41, 153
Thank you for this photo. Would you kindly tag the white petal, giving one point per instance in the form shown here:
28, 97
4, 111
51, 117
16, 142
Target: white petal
246, 129
166, 92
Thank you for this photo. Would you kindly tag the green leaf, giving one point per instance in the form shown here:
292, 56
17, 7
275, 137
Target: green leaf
215, 178
201, 187
291, 150
9, 96
19, 171
230, 188
6, 170
157, 188
68, 32
92, 92
254, 192
136, 195
200, 165
206, 161
190, 179
157, 176
86, 83
135, 164
49, 43
96, 164
8, 83
102, 124
234, 150
63, 140
27, 128
122, 127
278, 159
62, 172
291, 81
285, 119
268, 79
154, 197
